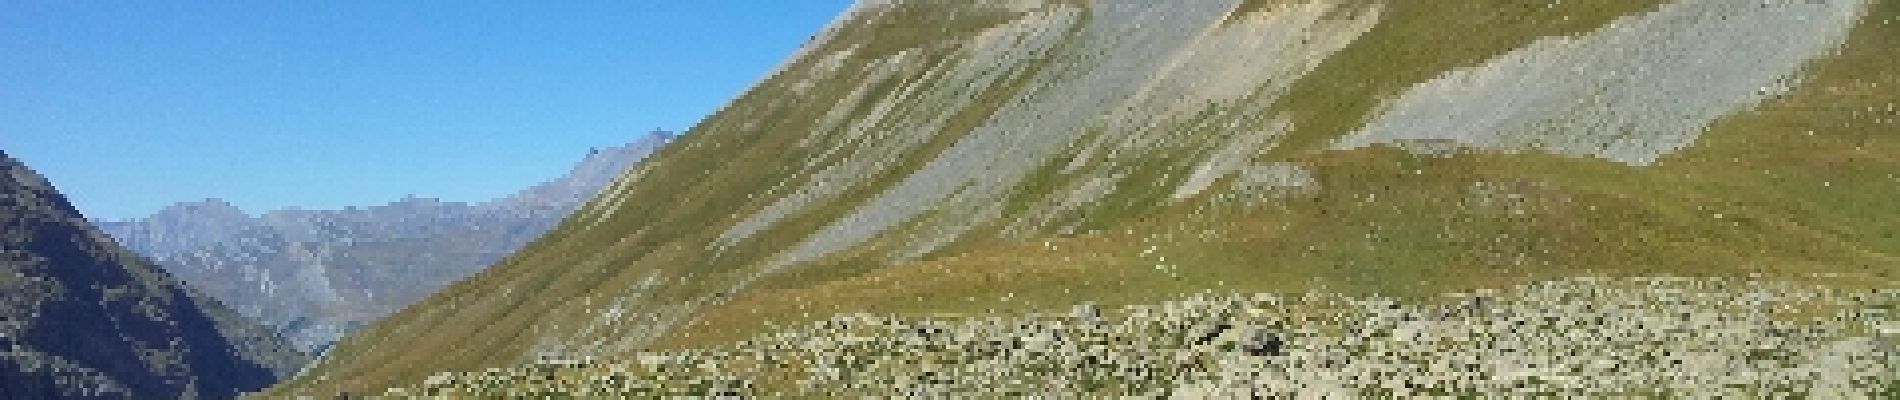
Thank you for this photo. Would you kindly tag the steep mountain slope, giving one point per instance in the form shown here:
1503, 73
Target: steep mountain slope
81, 317
1010, 157
320, 274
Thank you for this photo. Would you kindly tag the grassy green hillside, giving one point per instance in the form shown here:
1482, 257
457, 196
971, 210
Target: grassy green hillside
1015, 157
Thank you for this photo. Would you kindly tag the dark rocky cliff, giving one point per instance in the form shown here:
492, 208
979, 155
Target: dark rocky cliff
82, 317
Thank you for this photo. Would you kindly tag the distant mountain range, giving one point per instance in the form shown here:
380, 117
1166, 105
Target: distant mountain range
81, 317
317, 275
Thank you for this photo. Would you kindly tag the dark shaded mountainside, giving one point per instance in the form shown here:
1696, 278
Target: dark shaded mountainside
319, 274
81, 317
1422, 197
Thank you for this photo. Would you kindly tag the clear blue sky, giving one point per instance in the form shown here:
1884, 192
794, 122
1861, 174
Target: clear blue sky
129, 106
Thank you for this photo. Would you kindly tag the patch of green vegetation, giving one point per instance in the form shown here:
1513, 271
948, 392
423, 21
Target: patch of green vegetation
1249, 7
915, 25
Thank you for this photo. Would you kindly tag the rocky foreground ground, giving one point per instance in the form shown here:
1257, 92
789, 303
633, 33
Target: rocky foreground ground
1670, 337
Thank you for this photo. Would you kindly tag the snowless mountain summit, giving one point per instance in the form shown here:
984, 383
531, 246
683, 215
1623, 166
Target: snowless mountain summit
319, 274
945, 180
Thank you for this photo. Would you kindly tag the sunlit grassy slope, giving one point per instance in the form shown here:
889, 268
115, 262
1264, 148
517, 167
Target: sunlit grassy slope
1020, 156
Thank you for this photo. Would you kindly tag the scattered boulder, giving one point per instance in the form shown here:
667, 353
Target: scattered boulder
1086, 313
1263, 342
